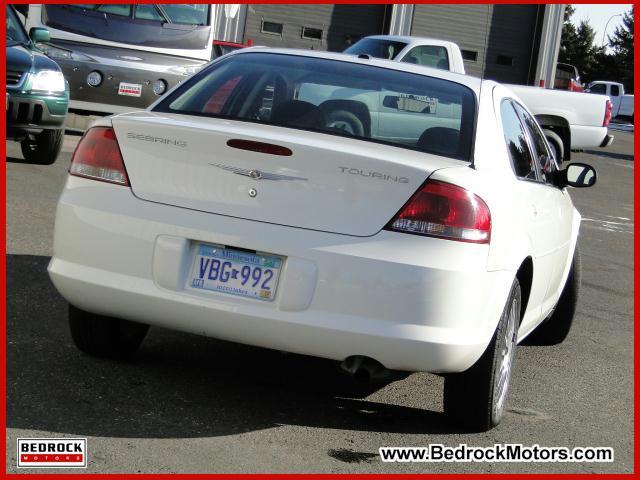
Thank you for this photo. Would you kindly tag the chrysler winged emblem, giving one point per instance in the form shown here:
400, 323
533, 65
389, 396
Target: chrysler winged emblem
256, 174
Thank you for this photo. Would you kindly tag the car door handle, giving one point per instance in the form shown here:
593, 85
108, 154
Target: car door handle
534, 210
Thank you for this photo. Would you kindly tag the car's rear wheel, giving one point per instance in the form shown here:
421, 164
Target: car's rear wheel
476, 398
44, 147
102, 336
555, 329
346, 122
556, 145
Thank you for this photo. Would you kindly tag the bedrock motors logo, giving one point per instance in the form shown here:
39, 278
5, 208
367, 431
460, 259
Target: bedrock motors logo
52, 452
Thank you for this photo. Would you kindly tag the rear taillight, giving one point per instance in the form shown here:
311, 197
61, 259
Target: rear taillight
98, 157
443, 210
607, 114
575, 86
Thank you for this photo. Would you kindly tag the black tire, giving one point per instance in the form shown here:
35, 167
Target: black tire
473, 399
45, 148
555, 329
102, 336
556, 144
345, 121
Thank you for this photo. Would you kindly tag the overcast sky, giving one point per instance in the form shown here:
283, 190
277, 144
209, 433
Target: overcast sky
598, 14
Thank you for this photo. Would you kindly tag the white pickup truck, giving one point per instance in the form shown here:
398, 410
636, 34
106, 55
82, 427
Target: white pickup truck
622, 103
570, 120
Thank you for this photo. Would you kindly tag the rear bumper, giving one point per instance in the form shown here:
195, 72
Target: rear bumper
412, 303
587, 137
608, 140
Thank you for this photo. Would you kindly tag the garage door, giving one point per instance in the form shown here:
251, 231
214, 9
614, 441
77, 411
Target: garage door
319, 27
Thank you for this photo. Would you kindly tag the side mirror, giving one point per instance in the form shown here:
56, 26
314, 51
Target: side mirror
580, 175
577, 175
39, 35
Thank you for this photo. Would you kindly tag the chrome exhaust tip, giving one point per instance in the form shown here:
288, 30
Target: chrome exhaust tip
364, 369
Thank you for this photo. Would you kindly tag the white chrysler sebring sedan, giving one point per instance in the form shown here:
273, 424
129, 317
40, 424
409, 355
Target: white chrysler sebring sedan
381, 214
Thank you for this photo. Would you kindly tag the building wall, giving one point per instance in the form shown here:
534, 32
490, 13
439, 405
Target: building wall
515, 34
502, 42
503, 38
341, 25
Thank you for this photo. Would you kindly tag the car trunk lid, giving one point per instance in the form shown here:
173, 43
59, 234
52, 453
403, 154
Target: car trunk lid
328, 182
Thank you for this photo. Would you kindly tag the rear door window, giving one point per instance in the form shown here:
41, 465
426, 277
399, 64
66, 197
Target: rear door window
542, 155
516, 140
428, 56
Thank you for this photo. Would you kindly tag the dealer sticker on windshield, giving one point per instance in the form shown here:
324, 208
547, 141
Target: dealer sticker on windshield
130, 89
235, 272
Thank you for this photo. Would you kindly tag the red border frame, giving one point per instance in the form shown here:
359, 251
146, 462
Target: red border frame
3, 302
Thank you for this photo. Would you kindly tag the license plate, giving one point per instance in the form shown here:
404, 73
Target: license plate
235, 272
130, 89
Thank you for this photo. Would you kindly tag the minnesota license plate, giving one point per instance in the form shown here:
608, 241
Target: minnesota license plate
235, 272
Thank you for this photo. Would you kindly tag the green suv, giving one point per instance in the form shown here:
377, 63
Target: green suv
37, 94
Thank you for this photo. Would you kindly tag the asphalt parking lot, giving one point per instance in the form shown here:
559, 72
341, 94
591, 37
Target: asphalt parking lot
194, 404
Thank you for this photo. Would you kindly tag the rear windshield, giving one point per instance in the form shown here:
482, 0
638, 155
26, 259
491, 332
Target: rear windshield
340, 98
387, 49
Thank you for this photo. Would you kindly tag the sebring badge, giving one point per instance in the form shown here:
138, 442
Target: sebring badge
256, 174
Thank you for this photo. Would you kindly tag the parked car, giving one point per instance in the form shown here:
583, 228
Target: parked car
234, 209
119, 57
567, 78
37, 93
570, 122
622, 103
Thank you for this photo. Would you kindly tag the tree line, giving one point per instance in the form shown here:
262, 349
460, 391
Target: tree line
594, 61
